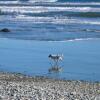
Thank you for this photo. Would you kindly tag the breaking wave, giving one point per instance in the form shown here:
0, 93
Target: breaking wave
53, 20
24, 1
42, 1
41, 9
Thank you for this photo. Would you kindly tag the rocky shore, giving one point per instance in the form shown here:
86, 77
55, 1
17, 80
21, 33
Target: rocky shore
20, 87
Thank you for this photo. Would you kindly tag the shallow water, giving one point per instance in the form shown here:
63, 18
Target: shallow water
81, 57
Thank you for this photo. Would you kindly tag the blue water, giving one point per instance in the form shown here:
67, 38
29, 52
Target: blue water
43, 20
41, 27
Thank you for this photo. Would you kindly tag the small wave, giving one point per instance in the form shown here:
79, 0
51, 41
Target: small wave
52, 40
52, 20
56, 20
91, 30
80, 39
41, 9
81, 3
77, 39
27, 1
49, 3
32, 1
89, 22
86, 3
9, 2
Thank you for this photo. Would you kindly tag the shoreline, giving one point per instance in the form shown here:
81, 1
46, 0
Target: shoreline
16, 86
17, 76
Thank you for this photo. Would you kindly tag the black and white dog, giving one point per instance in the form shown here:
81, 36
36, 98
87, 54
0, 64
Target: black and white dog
56, 57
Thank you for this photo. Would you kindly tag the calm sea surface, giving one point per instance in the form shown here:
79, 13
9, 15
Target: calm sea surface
41, 27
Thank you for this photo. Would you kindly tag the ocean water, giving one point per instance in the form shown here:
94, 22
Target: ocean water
51, 22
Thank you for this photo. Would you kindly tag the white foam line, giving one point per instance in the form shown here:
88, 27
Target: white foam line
9, 2
53, 20
32, 1
49, 2
71, 40
80, 39
56, 20
40, 9
83, 3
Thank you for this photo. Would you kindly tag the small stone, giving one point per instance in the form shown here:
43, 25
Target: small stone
97, 98
0, 98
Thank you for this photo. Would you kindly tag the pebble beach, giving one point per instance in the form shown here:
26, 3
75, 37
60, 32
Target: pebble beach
14, 86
